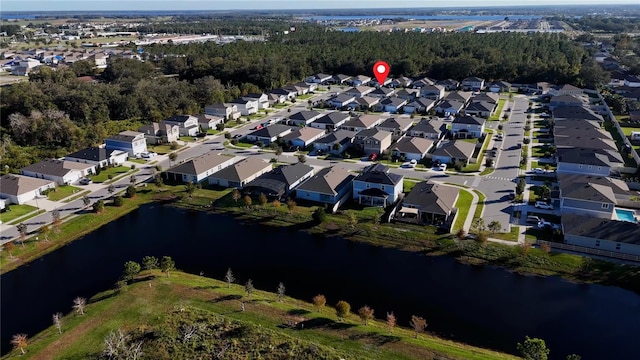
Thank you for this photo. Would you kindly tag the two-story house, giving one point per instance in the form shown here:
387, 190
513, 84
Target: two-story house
408, 94
330, 121
132, 142
467, 126
429, 128
262, 98
362, 122
187, 124
246, 106
473, 83
433, 92
398, 125
226, 111
376, 186
206, 121
331, 186
373, 141
160, 133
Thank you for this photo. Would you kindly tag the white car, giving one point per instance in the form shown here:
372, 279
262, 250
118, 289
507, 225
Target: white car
543, 205
147, 155
543, 224
442, 167
538, 171
408, 165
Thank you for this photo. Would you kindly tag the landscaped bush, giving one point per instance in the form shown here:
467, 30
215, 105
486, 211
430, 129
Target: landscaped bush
526, 141
118, 201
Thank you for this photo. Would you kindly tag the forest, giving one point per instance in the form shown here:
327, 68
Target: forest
55, 113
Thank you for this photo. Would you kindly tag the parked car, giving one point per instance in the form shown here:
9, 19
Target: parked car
442, 167
373, 157
532, 219
148, 155
410, 164
538, 171
545, 224
543, 205
85, 181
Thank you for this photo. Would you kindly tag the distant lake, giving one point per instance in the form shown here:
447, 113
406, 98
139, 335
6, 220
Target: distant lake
423, 17
483, 306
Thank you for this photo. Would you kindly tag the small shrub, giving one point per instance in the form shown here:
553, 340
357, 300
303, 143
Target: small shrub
234, 141
526, 141
118, 201
173, 145
110, 176
133, 166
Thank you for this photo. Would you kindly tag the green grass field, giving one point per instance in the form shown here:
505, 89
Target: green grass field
465, 199
62, 192
15, 211
496, 115
114, 171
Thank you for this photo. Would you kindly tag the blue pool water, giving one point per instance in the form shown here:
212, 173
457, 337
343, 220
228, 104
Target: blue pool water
625, 215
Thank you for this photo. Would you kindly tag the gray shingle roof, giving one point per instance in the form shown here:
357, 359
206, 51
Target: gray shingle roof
328, 181
91, 154
471, 120
17, 185
55, 167
378, 174
456, 149
432, 198
333, 118
602, 229
414, 145
241, 170
271, 131
200, 164
338, 136
402, 123
304, 115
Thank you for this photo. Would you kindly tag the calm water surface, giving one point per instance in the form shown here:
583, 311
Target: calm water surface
483, 306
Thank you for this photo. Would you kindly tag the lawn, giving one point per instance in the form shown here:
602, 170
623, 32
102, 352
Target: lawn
113, 171
475, 167
510, 236
305, 97
244, 145
465, 199
188, 138
608, 125
407, 185
551, 166
480, 206
162, 149
496, 115
15, 211
212, 131
62, 192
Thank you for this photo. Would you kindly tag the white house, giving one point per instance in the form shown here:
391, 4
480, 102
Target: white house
187, 124
467, 126
20, 189
199, 168
61, 171
226, 111
98, 156
132, 142
206, 121
262, 98
359, 91
246, 106
161, 133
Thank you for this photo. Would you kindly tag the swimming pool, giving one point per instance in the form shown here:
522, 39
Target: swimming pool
625, 215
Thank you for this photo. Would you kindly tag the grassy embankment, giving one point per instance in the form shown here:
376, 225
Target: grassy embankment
159, 311
354, 223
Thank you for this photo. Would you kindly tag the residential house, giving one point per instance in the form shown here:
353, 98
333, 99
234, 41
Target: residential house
500, 86
460, 96
392, 104
362, 122
433, 92
401, 81
280, 181
330, 121
382, 92
299, 90
334, 142
467, 126
262, 98
342, 100
408, 94
246, 106
330, 186
450, 152
619, 187
61, 171
21, 189
98, 156
359, 91
480, 108
288, 93
621, 237
206, 122
587, 198
276, 99
373, 141
364, 103
311, 87
160, 133
429, 128
226, 111
473, 83
132, 142
303, 137
575, 112
269, 134
632, 81
449, 107
360, 80
565, 90
588, 139
398, 126
199, 168
341, 79
304, 117
422, 83
187, 124
449, 84
566, 100
429, 203
412, 148
488, 97
376, 186
320, 78
237, 175
588, 161
419, 105
386, 82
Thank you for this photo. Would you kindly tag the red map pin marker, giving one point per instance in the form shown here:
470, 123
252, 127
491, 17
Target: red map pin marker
381, 70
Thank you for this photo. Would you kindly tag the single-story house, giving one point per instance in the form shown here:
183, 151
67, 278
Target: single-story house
359, 91
199, 168
454, 151
420, 83
335, 142
160, 133
206, 121
575, 112
362, 122
584, 197
320, 78
467, 126
330, 121
280, 181
303, 137
364, 103
269, 134
566, 89
288, 93
429, 203
304, 117
330, 185
412, 148
98, 156
360, 80
500, 86
449, 107
226, 111
480, 108
486, 96
382, 93
460, 96
588, 161
237, 175
419, 105
566, 100
408, 94
609, 235
376, 186
130, 141
340, 79
276, 98
398, 126
61, 171
342, 100
401, 81
431, 129
187, 124
392, 104
21, 189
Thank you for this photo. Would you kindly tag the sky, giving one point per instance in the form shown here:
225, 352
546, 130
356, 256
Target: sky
113, 5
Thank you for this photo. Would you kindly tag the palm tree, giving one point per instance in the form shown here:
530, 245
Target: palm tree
45, 230
20, 341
